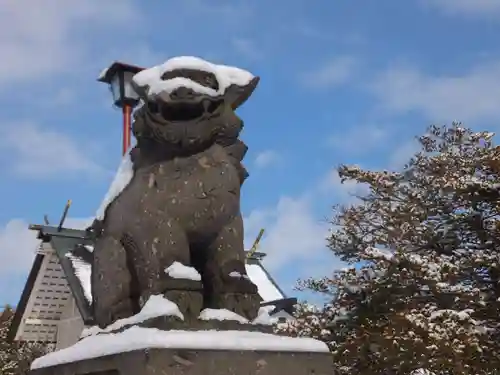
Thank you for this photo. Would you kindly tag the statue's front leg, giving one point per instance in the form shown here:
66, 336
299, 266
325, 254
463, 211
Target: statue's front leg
111, 282
225, 274
160, 254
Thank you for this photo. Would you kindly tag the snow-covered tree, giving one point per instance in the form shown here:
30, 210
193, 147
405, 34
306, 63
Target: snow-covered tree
423, 288
15, 358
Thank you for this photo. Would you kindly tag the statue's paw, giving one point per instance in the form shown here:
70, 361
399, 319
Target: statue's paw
95, 230
189, 302
186, 294
238, 282
244, 304
108, 316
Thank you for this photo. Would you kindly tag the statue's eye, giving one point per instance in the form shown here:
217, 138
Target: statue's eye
210, 81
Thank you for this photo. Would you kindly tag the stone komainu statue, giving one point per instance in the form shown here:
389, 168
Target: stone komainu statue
182, 205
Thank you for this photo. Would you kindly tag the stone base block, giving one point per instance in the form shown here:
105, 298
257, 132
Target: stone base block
197, 362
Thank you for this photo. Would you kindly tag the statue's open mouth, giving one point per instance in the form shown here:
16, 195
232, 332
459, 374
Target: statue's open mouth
180, 111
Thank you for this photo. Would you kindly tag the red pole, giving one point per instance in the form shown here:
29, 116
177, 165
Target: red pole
127, 114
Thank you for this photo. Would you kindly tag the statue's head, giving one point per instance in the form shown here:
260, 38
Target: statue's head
189, 102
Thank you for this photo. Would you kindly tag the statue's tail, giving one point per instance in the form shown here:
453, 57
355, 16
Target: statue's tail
237, 151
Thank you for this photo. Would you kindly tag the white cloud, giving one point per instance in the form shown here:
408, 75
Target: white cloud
226, 11
472, 96
41, 39
292, 233
267, 158
63, 97
39, 153
78, 223
17, 248
344, 193
310, 30
140, 54
18, 245
358, 140
402, 153
335, 72
466, 7
247, 48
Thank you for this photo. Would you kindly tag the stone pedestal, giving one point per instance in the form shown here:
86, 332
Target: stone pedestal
173, 361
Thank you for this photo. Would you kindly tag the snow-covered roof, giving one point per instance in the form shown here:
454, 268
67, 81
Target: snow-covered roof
83, 272
268, 289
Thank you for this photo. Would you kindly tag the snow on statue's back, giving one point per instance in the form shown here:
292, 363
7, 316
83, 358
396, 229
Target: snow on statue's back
121, 180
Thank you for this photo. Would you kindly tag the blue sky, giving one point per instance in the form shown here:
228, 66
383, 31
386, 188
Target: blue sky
341, 82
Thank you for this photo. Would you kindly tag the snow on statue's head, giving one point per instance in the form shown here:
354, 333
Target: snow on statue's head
189, 103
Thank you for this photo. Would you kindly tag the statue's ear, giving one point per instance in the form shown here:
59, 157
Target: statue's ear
138, 127
142, 91
237, 95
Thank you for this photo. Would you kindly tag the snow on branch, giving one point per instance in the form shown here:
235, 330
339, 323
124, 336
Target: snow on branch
423, 287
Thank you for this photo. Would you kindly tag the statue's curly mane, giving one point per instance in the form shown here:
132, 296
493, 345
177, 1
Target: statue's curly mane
159, 139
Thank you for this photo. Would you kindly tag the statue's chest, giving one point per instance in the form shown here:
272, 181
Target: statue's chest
207, 175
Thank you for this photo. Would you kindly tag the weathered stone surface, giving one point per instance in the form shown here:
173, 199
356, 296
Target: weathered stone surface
182, 205
198, 362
